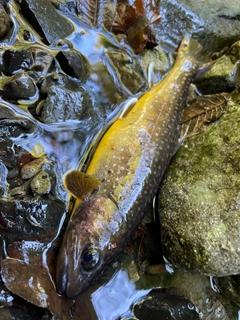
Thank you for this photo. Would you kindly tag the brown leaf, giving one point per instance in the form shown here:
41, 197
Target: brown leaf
148, 8
203, 110
135, 21
125, 16
138, 42
91, 11
34, 285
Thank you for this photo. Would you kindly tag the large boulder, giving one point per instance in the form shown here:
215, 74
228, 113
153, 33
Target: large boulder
200, 200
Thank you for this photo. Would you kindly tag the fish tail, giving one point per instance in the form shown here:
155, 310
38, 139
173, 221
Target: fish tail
189, 46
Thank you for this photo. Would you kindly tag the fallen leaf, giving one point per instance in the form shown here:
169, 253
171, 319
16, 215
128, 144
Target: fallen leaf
134, 21
203, 109
150, 10
124, 17
34, 285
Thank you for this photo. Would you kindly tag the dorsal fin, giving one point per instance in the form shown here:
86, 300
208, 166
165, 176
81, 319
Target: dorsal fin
80, 185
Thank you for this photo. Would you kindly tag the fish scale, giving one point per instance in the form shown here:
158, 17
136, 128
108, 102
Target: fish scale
129, 161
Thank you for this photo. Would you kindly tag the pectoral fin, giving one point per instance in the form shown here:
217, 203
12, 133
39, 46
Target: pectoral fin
80, 185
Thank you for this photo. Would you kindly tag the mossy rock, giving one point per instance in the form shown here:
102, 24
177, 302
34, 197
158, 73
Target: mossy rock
200, 200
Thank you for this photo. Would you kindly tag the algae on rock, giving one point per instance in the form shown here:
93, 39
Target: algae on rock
200, 200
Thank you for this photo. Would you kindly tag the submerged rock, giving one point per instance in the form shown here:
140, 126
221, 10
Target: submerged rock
20, 87
200, 201
38, 60
74, 64
159, 305
62, 104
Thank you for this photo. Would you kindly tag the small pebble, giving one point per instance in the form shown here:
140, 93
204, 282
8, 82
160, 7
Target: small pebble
41, 183
31, 168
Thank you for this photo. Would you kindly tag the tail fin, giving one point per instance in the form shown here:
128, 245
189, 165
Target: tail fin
190, 46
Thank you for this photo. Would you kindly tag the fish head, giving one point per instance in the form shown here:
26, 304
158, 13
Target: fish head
86, 247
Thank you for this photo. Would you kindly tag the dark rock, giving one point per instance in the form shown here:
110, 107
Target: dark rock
45, 19
158, 305
58, 80
17, 61
62, 105
74, 64
5, 22
17, 216
34, 59
228, 286
19, 87
14, 128
67, 6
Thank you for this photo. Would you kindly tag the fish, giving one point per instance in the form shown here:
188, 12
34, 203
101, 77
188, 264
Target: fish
123, 176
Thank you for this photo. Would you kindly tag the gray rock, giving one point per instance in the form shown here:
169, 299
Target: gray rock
214, 23
200, 201
46, 20
224, 75
62, 104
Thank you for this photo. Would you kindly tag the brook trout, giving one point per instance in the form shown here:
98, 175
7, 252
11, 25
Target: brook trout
122, 178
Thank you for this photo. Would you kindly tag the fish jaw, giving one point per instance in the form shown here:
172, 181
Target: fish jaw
85, 247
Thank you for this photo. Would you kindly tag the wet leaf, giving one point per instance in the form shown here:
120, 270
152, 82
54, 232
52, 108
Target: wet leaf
91, 11
134, 21
148, 8
34, 285
124, 17
203, 110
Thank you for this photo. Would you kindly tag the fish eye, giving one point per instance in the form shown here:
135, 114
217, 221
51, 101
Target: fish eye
90, 259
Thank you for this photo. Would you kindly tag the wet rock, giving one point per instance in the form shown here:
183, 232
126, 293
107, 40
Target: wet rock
155, 64
42, 63
158, 305
42, 15
199, 201
62, 105
67, 6
14, 127
17, 61
34, 59
30, 169
20, 87
5, 22
19, 190
30, 219
214, 24
224, 75
127, 70
41, 184
74, 64
3, 179
58, 80
228, 286
13, 307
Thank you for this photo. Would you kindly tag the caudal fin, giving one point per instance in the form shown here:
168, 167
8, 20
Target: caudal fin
190, 46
